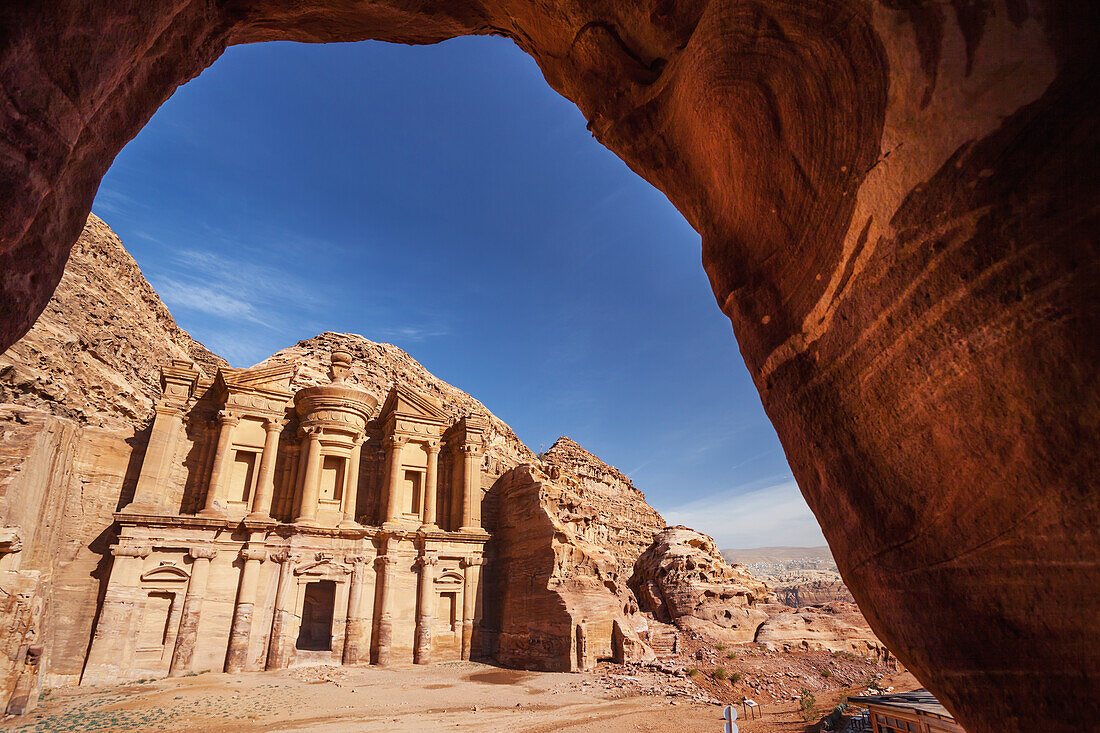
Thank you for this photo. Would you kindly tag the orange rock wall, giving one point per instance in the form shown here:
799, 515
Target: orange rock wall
896, 200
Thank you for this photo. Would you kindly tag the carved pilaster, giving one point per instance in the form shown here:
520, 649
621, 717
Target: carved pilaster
357, 632
280, 650
240, 632
387, 567
422, 652
183, 654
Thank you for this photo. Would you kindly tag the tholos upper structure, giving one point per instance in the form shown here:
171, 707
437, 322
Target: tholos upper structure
898, 208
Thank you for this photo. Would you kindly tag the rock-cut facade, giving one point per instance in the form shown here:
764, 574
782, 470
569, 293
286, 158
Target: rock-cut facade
270, 527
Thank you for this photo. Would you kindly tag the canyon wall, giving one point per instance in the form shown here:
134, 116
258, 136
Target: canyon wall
897, 207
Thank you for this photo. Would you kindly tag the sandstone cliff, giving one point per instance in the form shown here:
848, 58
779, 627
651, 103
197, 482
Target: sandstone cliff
94, 354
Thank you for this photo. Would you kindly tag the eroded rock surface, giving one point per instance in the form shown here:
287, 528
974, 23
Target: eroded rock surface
682, 578
832, 627
94, 354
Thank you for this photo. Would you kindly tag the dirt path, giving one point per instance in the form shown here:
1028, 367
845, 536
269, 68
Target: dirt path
461, 696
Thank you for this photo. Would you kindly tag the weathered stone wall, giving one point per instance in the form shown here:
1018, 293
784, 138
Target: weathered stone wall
72, 477
552, 580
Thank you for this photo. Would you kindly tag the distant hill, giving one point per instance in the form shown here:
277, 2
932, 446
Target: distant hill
800, 576
777, 554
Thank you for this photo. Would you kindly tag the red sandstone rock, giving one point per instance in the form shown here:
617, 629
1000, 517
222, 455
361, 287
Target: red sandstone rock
683, 579
897, 208
833, 627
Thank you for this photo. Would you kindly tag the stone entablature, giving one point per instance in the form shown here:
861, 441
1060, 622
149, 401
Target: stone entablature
327, 531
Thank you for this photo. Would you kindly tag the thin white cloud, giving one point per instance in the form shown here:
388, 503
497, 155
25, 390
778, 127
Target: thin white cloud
753, 517
415, 334
214, 302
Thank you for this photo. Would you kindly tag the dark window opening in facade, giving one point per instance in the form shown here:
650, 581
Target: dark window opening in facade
315, 633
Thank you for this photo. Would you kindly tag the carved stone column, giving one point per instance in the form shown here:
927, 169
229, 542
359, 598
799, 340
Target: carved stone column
357, 634
471, 495
422, 653
311, 486
192, 611
112, 649
387, 570
219, 472
240, 633
265, 488
431, 488
351, 485
280, 647
471, 591
164, 439
393, 481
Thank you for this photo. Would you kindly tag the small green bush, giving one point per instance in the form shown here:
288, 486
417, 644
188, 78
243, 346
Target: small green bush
719, 673
826, 673
720, 647
731, 655
735, 677
806, 703
692, 672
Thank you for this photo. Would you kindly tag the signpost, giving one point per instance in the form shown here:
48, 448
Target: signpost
730, 715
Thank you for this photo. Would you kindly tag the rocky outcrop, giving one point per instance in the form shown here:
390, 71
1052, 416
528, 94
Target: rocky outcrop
94, 355
833, 627
598, 503
683, 579
567, 540
897, 209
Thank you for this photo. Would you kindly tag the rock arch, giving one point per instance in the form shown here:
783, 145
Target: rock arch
897, 204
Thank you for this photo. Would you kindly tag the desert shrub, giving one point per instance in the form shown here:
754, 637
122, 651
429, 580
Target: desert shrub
735, 677
720, 647
826, 673
691, 672
806, 702
731, 655
719, 673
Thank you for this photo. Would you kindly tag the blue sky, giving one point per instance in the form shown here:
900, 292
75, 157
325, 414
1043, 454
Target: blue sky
445, 199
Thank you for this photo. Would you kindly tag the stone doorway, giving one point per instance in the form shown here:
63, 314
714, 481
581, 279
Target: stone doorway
315, 633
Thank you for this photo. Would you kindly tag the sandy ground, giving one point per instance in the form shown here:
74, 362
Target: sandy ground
460, 696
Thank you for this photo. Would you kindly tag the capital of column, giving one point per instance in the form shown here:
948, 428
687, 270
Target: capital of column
282, 556
322, 556
308, 430
356, 559
471, 561
433, 446
382, 560
225, 417
471, 448
131, 550
252, 553
202, 553
427, 560
396, 441
274, 425
168, 411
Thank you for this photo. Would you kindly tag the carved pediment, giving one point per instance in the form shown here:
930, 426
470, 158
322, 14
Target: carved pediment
450, 577
165, 573
270, 382
322, 568
403, 402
